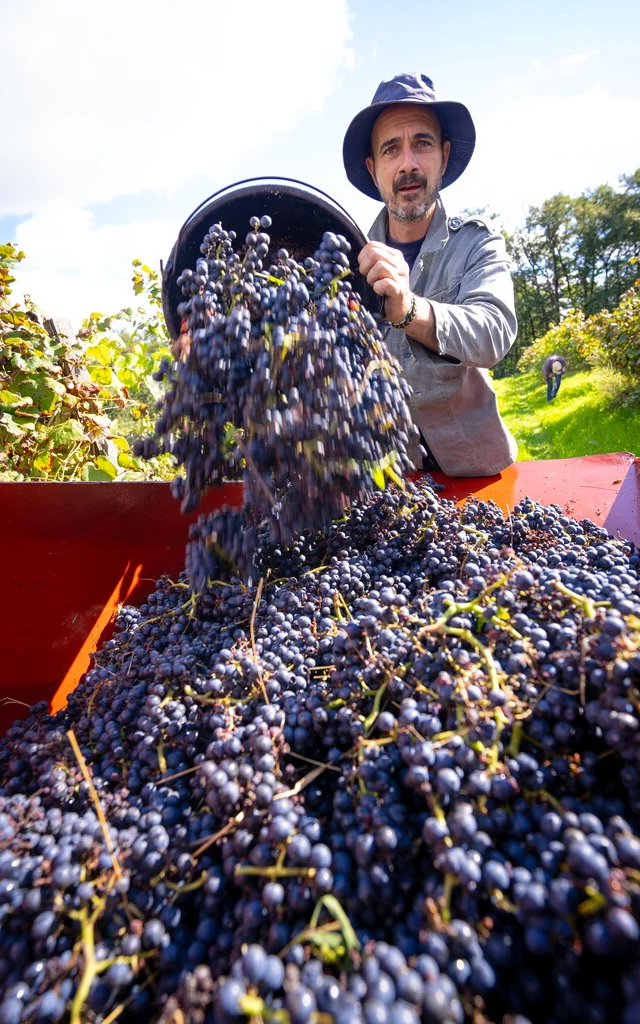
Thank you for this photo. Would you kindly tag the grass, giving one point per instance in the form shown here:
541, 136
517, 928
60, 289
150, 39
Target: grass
585, 418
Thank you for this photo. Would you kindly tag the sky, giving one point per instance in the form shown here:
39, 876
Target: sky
119, 118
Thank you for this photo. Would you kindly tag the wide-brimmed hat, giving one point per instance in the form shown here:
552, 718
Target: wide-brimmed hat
456, 121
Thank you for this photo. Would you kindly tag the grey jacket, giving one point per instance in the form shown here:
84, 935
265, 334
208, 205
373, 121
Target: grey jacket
464, 268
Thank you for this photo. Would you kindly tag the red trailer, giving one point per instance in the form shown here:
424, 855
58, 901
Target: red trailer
75, 551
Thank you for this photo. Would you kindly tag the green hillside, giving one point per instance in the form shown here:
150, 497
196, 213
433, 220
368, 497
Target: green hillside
586, 417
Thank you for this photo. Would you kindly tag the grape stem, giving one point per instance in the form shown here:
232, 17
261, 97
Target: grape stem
219, 835
450, 881
370, 720
585, 604
516, 738
92, 967
71, 736
252, 631
301, 783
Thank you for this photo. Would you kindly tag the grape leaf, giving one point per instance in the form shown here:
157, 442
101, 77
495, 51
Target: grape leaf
90, 473
69, 432
127, 378
43, 462
105, 465
100, 353
378, 478
8, 424
9, 398
101, 374
43, 392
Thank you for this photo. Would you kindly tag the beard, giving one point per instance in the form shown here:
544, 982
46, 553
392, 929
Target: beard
416, 205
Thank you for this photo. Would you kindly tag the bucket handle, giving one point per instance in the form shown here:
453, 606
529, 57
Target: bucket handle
247, 181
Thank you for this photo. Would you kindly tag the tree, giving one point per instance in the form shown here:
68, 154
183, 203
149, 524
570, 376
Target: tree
573, 253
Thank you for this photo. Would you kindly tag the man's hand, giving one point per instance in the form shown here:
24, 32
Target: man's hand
387, 272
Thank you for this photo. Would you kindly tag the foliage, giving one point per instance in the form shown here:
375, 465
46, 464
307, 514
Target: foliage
570, 338
618, 333
64, 403
9, 256
122, 354
591, 414
573, 253
608, 338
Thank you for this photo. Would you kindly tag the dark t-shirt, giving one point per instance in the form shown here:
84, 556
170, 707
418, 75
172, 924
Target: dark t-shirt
409, 250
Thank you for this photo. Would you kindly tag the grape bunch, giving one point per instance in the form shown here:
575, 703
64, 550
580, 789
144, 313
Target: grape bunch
396, 781
282, 375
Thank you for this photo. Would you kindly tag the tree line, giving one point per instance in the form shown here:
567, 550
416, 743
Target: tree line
573, 252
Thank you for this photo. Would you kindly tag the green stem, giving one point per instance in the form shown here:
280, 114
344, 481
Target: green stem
188, 886
335, 908
251, 1006
585, 604
485, 654
516, 738
275, 872
375, 711
449, 882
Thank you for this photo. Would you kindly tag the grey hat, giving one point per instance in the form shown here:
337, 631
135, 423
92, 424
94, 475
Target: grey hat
456, 121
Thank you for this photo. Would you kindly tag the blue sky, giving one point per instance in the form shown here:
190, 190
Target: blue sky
123, 120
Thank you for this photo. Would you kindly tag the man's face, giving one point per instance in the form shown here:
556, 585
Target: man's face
408, 160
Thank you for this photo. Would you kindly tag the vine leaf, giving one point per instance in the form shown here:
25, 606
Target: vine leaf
378, 478
10, 398
69, 432
105, 465
337, 912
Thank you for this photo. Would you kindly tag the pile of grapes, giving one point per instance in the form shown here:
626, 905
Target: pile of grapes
401, 784
369, 759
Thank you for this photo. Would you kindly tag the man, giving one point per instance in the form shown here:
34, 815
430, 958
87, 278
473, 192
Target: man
552, 371
446, 283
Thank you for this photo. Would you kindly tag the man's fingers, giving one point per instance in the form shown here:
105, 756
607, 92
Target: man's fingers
366, 261
376, 251
388, 287
381, 268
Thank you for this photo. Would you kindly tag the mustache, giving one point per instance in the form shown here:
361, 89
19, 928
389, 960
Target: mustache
409, 179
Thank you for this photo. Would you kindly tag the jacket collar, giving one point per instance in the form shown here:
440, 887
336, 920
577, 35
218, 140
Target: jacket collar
435, 238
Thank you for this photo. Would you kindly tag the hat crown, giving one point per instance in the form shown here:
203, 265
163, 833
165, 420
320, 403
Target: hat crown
409, 87
404, 88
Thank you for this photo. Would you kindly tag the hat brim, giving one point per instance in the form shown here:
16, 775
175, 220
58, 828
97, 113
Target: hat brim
456, 122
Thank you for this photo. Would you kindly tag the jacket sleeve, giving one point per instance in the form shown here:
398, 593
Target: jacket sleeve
480, 327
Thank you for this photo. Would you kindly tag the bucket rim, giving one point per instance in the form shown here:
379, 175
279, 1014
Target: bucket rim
262, 179
262, 184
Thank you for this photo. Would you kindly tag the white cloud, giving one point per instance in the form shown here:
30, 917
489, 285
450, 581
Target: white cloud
528, 150
74, 268
113, 97
537, 69
575, 59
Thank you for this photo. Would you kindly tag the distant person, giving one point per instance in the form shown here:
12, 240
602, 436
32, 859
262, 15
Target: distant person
553, 369
446, 281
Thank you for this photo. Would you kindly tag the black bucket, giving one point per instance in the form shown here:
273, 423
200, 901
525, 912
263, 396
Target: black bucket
301, 214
